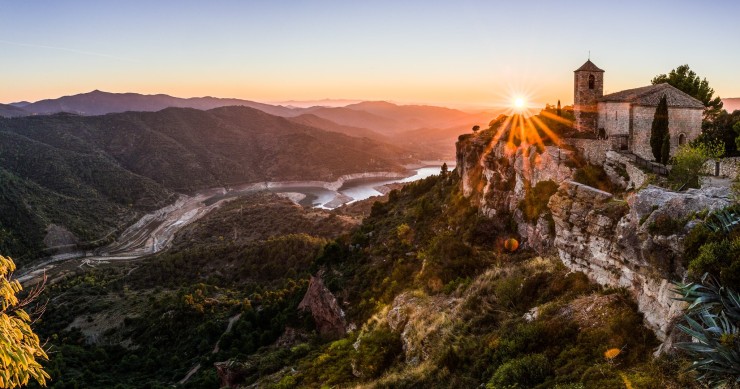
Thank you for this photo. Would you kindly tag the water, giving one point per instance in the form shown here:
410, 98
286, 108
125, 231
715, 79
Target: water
319, 197
363, 189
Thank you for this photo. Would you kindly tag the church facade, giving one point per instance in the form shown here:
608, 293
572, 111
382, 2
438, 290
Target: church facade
626, 117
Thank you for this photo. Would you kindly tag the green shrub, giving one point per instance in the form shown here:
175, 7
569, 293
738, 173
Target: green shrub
664, 224
524, 372
377, 350
535, 200
719, 258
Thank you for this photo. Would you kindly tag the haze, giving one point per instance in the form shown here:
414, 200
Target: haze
462, 53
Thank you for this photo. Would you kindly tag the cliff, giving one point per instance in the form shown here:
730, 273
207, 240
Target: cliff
634, 242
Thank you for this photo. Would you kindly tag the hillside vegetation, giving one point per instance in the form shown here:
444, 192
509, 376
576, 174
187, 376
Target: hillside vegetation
429, 294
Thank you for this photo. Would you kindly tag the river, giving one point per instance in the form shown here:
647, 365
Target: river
357, 190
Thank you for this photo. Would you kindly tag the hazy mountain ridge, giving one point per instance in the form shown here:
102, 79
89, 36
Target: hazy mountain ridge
10, 111
732, 104
378, 120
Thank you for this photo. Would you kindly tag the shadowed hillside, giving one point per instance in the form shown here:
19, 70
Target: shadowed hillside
90, 175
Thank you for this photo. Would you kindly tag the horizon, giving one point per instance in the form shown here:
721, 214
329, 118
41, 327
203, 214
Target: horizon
473, 55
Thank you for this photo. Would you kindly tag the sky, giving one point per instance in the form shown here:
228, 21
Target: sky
455, 53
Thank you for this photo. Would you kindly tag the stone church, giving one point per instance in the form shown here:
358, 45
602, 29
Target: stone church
626, 117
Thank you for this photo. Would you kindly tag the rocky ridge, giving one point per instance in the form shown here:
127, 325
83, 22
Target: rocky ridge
635, 242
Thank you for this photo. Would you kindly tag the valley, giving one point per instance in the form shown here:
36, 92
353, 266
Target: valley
155, 231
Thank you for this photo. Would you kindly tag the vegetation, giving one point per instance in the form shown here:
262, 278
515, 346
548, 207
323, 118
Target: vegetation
689, 163
711, 321
20, 349
535, 200
481, 315
724, 128
659, 130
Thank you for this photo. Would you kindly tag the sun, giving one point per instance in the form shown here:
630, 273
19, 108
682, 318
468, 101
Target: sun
520, 103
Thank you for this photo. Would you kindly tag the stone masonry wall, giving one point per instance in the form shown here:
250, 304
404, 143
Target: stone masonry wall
614, 118
585, 108
728, 167
680, 121
593, 150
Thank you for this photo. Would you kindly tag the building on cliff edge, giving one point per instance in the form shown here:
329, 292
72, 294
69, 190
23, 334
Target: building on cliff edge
626, 117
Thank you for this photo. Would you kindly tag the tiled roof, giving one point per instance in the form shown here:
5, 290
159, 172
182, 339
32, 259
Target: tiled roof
589, 67
651, 95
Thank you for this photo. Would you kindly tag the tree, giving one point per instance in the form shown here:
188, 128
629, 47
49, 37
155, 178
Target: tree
665, 149
559, 110
476, 128
736, 128
659, 130
444, 170
20, 350
687, 81
689, 161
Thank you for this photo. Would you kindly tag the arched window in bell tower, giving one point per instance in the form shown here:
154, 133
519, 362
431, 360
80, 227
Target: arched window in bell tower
591, 81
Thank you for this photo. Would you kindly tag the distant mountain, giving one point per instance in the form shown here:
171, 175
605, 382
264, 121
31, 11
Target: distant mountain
100, 103
731, 104
328, 125
11, 111
379, 120
81, 177
412, 117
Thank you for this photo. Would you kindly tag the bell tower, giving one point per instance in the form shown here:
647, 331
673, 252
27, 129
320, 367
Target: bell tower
588, 86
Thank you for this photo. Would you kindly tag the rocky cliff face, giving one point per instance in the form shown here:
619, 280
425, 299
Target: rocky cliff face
497, 179
636, 243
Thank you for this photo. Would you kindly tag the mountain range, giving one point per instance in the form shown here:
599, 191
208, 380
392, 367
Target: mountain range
88, 175
379, 120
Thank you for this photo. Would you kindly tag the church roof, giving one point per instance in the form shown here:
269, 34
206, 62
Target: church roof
650, 96
589, 67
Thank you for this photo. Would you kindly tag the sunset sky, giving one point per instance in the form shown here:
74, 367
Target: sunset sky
457, 53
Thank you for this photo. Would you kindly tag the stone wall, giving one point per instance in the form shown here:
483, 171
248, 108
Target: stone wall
592, 150
728, 167
680, 121
614, 117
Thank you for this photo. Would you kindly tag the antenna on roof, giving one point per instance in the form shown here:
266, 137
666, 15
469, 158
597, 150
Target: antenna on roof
589, 55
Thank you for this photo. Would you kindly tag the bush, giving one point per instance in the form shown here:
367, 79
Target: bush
524, 372
535, 200
719, 258
688, 163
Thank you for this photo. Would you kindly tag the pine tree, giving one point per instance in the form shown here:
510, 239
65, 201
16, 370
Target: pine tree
659, 130
559, 111
443, 171
665, 149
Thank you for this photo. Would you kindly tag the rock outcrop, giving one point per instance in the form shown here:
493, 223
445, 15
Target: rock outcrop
622, 244
497, 179
324, 309
635, 243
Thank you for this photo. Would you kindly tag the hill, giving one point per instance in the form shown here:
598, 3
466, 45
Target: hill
100, 103
90, 175
10, 111
731, 104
